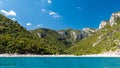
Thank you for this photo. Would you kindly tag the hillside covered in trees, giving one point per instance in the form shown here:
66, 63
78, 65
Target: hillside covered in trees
15, 39
105, 39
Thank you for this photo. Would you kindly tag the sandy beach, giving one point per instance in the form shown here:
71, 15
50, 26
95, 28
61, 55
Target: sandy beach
115, 53
30, 55
100, 55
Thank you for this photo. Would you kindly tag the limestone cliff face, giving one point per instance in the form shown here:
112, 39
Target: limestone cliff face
103, 24
70, 35
113, 20
88, 30
76, 35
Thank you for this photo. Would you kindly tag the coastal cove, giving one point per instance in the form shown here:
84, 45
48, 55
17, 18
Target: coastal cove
59, 33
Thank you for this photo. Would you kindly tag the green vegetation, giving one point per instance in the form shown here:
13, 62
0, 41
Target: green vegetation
53, 38
103, 40
16, 39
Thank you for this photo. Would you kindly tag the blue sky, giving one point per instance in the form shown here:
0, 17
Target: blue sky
59, 14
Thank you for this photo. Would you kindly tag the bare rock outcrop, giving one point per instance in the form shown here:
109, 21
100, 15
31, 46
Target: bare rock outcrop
103, 24
113, 20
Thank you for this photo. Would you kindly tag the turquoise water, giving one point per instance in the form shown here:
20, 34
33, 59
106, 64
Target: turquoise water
59, 62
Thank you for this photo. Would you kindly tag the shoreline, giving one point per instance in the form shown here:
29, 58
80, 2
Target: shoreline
31, 55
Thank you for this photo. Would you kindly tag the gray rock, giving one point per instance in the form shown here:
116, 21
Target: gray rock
103, 24
113, 18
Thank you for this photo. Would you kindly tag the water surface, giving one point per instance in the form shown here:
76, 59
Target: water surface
59, 62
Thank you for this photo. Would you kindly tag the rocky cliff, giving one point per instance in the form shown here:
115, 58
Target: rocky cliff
103, 24
106, 39
76, 35
113, 20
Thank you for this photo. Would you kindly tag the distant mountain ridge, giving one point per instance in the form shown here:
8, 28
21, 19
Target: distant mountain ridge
16, 39
69, 35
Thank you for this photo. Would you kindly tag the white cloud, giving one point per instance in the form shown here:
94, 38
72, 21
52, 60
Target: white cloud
39, 25
13, 19
54, 14
51, 13
43, 10
29, 24
49, 1
8, 13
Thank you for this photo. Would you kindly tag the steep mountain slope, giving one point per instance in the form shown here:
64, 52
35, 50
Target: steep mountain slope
16, 39
62, 39
53, 38
107, 38
75, 35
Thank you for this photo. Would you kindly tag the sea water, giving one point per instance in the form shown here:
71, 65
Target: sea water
59, 62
